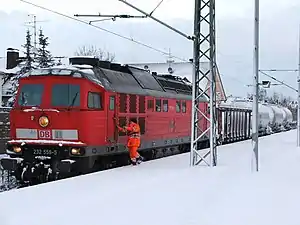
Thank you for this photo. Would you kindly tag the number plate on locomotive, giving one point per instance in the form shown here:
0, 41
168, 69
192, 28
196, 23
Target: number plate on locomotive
45, 152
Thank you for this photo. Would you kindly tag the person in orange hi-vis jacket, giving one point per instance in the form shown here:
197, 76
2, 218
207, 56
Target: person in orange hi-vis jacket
133, 142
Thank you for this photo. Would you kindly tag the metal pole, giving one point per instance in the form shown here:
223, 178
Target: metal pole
195, 77
298, 108
213, 96
34, 25
255, 85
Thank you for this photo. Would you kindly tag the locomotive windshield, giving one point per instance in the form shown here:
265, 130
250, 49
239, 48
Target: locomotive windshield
65, 95
31, 95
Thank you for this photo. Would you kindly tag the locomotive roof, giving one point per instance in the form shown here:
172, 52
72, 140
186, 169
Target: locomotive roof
122, 78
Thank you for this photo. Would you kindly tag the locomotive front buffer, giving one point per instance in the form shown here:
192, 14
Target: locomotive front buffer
30, 160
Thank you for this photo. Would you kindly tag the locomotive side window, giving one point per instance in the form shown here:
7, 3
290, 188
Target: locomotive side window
31, 95
183, 107
142, 123
123, 103
158, 105
94, 100
165, 105
111, 102
132, 103
178, 106
150, 105
141, 104
65, 95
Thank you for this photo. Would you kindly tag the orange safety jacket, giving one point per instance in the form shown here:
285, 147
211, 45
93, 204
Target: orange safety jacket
134, 133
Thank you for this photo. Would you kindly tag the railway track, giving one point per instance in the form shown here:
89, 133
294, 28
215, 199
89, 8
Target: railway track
8, 182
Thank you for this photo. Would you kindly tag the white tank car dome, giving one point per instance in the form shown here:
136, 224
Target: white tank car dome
264, 115
288, 115
278, 114
283, 113
271, 113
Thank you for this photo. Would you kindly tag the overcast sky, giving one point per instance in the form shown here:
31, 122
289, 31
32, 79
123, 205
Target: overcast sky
278, 33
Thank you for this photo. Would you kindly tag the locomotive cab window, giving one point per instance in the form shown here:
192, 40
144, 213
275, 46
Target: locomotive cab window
150, 105
111, 102
178, 106
158, 105
65, 95
183, 107
31, 95
94, 100
165, 105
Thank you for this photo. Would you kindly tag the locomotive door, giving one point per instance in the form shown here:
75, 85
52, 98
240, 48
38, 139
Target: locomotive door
112, 132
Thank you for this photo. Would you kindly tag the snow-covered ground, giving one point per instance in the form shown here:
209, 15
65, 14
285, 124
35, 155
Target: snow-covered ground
169, 192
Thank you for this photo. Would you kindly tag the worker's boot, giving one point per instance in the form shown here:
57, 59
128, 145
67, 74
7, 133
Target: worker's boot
140, 159
133, 161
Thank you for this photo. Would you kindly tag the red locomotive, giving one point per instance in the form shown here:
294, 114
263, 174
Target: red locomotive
62, 123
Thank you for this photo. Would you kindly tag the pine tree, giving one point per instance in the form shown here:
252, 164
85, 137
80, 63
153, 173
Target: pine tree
23, 68
44, 58
28, 63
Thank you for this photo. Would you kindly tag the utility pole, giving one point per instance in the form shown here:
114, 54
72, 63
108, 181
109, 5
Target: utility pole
256, 86
34, 33
34, 27
204, 41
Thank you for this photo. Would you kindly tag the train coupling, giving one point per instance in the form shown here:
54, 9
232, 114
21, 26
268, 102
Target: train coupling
10, 164
66, 165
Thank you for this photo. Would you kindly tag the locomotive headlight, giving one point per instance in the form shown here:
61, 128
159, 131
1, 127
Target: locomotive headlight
17, 149
43, 121
75, 151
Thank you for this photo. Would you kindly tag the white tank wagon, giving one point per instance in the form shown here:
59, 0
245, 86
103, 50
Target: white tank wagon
288, 118
278, 120
265, 117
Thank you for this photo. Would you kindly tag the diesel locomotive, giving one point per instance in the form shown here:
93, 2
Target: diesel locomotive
62, 122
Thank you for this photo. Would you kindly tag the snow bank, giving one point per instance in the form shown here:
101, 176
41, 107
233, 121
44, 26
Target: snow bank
169, 192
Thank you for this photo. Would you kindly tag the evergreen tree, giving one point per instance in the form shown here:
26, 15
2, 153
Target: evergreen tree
25, 66
44, 58
28, 63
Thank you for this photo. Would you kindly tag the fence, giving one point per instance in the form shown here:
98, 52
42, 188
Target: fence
4, 128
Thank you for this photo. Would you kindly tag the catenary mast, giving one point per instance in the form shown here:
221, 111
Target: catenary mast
204, 52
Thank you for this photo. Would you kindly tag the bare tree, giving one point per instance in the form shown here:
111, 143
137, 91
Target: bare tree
92, 50
262, 94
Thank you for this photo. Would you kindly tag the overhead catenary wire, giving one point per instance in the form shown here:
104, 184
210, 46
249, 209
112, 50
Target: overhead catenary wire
157, 20
106, 30
156, 7
283, 83
119, 35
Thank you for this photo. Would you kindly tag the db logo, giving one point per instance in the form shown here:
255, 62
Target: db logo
45, 134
